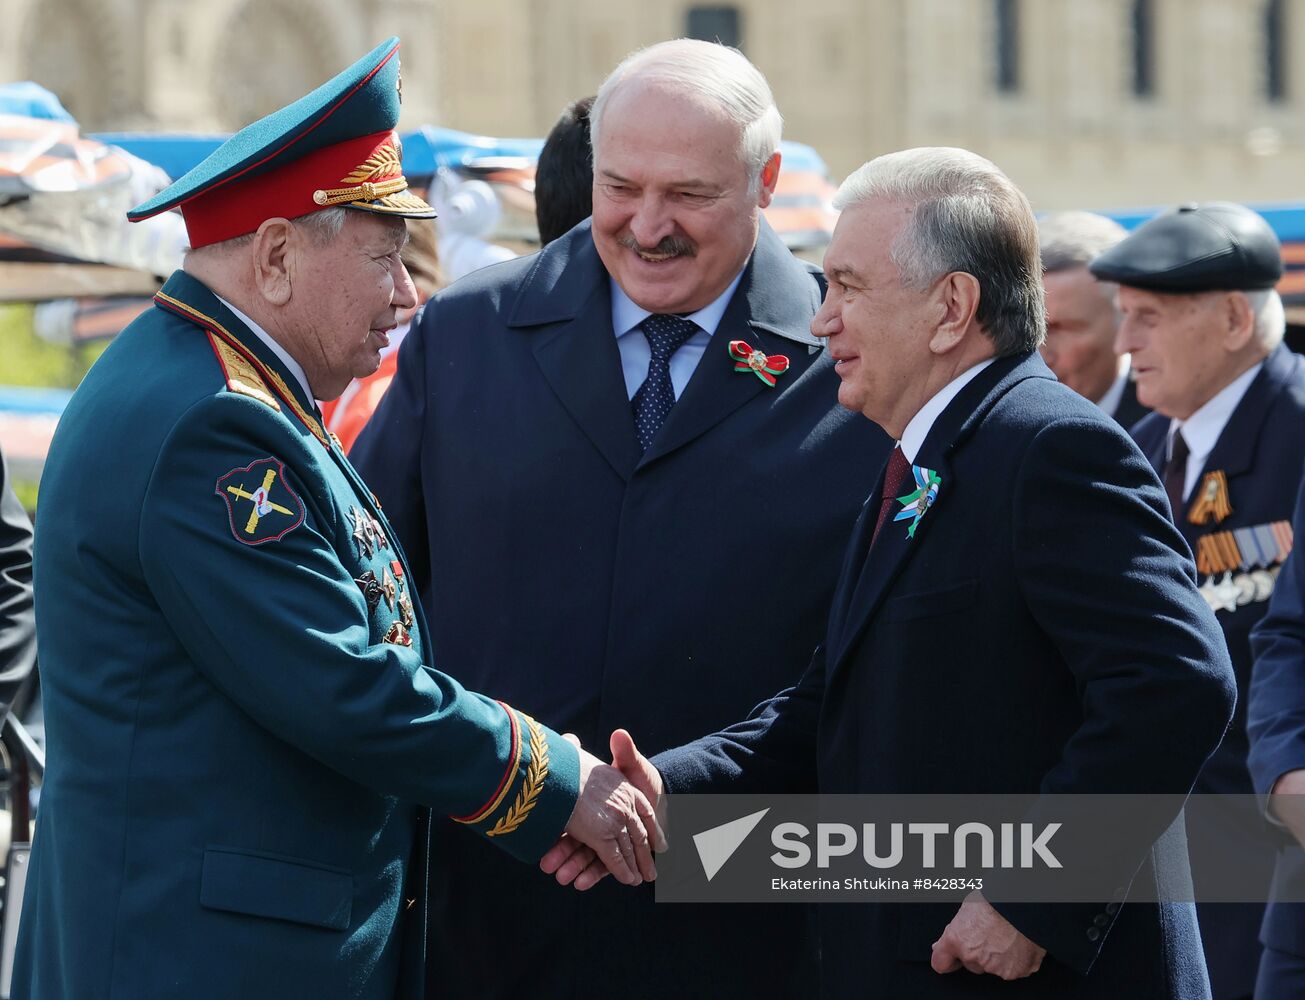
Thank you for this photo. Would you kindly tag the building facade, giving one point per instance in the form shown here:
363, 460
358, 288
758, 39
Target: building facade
1086, 103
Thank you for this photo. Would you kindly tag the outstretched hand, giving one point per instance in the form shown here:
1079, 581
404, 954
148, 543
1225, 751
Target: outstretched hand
576, 860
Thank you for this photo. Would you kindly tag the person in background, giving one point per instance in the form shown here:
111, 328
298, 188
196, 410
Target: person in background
17, 620
625, 482
1204, 326
564, 175
1082, 317
1275, 723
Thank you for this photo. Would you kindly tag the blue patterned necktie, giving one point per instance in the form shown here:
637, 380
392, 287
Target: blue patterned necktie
666, 334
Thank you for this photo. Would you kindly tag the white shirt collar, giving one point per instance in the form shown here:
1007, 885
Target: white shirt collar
292, 366
1202, 429
918, 429
626, 315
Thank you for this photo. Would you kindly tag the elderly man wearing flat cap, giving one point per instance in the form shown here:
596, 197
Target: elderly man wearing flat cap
246, 730
1204, 326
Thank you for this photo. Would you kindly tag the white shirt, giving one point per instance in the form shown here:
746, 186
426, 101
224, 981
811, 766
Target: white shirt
292, 366
1202, 429
918, 429
636, 355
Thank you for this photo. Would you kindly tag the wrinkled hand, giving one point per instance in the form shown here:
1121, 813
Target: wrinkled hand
1287, 803
612, 820
573, 861
982, 940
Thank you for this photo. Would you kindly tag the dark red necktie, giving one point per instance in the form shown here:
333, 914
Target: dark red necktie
898, 469
1176, 476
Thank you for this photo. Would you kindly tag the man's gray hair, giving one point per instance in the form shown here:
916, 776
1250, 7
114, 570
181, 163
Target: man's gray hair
716, 72
326, 224
1072, 239
1069, 240
968, 216
1270, 317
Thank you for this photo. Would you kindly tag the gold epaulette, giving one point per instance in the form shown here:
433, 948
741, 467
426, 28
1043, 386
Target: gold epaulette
242, 377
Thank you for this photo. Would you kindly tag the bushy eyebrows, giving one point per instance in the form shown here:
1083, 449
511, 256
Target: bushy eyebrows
395, 237
681, 184
844, 275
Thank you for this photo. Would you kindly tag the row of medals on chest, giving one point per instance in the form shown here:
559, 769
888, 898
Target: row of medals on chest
1240, 566
391, 586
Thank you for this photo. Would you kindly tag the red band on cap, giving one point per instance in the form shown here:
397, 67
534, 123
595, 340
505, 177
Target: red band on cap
285, 192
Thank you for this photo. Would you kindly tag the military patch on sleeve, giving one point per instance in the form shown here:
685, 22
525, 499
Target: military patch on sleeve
261, 506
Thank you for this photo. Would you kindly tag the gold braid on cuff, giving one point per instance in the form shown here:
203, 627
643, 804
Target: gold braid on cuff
529, 794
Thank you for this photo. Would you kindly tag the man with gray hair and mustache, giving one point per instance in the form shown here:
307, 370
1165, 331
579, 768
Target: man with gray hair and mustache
1082, 316
625, 483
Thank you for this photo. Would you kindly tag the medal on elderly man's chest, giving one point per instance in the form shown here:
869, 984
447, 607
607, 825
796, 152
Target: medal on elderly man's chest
1240, 565
1211, 503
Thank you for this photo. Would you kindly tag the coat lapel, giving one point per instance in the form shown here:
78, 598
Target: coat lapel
1234, 451
884, 561
567, 301
771, 310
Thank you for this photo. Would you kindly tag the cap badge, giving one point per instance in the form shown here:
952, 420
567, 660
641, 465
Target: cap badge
379, 176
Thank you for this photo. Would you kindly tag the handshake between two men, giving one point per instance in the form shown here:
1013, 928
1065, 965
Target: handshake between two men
609, 834
613, 828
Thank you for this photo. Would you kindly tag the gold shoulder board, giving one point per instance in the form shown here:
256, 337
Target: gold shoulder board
242, 377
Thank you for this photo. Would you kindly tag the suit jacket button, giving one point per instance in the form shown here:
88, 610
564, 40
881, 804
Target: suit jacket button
1093, 934
1112, 908
1101, 920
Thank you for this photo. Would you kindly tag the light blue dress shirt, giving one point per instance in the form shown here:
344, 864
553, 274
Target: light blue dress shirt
633, 345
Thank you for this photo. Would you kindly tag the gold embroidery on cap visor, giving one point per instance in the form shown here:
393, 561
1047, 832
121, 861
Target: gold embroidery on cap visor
377, 185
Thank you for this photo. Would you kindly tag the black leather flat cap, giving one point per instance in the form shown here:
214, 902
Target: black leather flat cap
1216, 246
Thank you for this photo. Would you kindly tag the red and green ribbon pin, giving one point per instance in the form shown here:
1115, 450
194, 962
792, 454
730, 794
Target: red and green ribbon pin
764, 366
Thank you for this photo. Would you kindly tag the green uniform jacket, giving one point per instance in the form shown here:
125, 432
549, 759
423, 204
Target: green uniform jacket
243, 724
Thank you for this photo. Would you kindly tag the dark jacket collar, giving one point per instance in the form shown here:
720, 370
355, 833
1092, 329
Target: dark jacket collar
966, 412
1234, 451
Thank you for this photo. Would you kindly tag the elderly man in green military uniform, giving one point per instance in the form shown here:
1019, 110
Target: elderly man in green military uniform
246, 731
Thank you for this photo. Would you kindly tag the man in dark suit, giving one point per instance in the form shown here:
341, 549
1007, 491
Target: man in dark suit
1275, 721
618, 529
1082, 318
1033, 629
1204, 327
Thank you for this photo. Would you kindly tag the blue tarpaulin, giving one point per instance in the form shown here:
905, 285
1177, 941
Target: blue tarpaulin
31, 100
